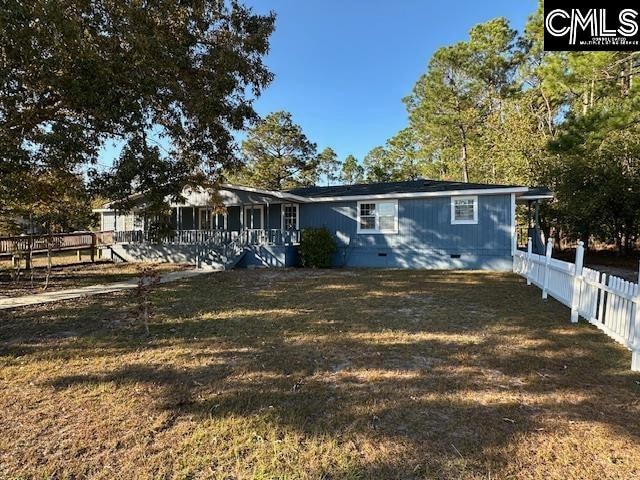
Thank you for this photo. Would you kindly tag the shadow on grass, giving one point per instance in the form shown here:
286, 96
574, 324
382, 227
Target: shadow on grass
453, 367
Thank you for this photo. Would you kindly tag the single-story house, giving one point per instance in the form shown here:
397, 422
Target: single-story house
412, 224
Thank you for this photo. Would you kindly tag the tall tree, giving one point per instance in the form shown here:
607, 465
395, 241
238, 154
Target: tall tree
352, 171
328, 166
405, 153
586, 108
378, 165
398, 160
75, 74
464, 83
278, 154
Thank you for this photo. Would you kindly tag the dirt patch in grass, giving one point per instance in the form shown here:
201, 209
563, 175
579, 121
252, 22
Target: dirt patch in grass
72, 276
300, 374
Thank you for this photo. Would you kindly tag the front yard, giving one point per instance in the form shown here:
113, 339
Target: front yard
319, 375
73, 276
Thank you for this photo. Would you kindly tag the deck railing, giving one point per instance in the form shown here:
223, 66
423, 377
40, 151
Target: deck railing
215, 237
10, 245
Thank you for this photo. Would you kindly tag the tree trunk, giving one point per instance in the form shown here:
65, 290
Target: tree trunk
31, 269
465, 160
558, 238
619, 245
549, 118
585, 239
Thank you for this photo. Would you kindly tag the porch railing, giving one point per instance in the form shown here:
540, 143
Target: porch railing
215, 237
271, 237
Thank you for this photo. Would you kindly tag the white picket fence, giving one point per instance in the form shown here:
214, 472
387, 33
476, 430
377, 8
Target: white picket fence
610, 303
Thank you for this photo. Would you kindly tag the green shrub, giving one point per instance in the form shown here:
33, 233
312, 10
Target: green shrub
317, 247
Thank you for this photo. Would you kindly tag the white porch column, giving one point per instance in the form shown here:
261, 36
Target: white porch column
266, 225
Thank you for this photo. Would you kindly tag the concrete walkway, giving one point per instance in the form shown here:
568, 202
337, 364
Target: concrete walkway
47, 297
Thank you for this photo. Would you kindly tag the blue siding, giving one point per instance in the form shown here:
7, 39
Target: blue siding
426, 237
270, 256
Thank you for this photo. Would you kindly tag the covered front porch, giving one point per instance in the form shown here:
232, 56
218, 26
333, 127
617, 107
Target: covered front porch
238, 215
266, 221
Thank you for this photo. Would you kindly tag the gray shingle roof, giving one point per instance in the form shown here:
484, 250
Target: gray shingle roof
413, 186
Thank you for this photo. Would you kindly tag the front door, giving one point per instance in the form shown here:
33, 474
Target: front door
254, 217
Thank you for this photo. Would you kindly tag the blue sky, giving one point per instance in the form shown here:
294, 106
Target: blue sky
342, 67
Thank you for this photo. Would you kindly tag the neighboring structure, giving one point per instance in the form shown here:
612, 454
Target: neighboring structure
414, 224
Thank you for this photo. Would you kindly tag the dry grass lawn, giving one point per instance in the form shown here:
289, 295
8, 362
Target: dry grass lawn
72, 276
317, 375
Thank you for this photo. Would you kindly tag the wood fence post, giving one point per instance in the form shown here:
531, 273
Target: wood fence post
27, 260
577, 283
547, 261
529, 254
93, 247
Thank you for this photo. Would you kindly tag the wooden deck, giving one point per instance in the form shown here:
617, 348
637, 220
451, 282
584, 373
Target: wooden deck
57, 242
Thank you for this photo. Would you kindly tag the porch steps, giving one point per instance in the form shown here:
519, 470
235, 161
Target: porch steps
231, 263
207, 256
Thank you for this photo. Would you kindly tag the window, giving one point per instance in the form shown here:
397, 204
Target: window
290, 216
378, 217
212, 221
464, 210
221, 221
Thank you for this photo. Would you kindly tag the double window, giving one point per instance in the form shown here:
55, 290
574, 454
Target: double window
209, 220
464, 210
378, 216
290, 219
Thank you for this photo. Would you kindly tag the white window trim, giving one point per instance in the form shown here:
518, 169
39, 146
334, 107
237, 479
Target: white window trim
297, 214
377, 231
475, 210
